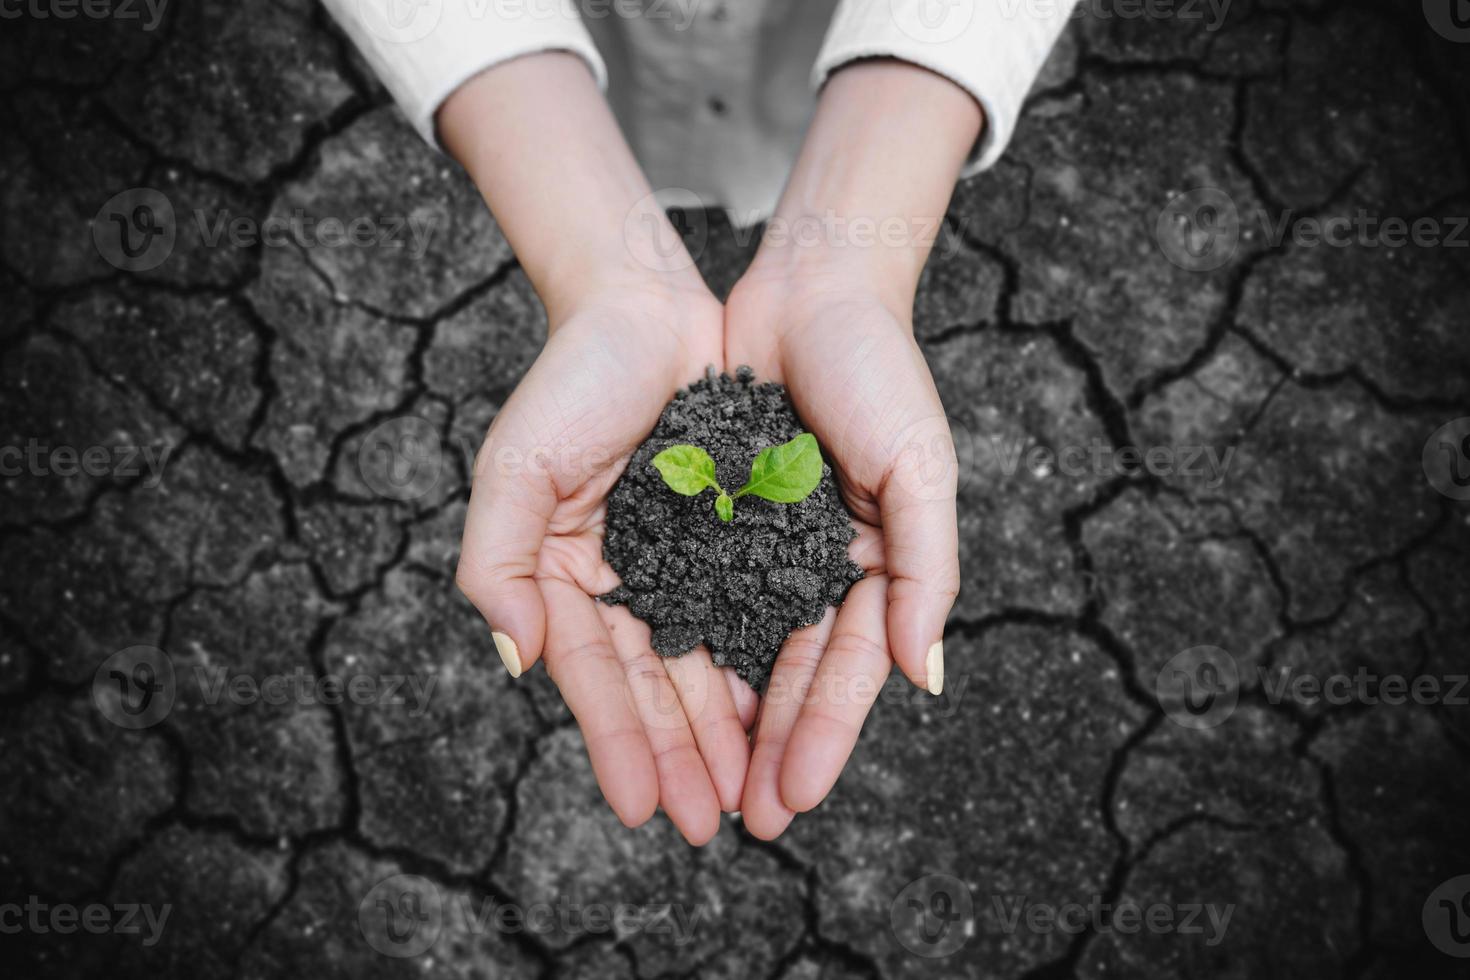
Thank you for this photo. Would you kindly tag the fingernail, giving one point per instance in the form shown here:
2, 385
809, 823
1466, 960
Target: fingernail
510, 654
934, 666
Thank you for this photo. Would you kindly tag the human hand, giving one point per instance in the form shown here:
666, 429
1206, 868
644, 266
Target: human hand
826, 307
859, 382
630, 322
657, 730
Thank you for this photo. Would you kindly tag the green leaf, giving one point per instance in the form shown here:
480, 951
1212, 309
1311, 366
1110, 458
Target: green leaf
786, 473
687, 470
725, 506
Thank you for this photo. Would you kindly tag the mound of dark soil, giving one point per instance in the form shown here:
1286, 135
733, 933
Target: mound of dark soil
738, 588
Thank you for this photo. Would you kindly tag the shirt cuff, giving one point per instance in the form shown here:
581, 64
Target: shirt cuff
993, 49
423, 50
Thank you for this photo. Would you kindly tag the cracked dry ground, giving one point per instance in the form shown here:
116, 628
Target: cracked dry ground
1046, 770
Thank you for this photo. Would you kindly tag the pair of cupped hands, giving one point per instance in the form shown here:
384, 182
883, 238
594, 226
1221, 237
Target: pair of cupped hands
680, 732
821, 309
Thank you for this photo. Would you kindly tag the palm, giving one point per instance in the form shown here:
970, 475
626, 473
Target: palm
532, 558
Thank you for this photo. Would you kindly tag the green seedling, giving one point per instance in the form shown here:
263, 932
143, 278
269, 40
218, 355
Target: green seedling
783, 474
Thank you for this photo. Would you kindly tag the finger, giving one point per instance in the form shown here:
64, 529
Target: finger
714, 720
866, 550
765, 814
684, 787
749, 340
921, 550
505, 525
744, 696
581, 661
848, 681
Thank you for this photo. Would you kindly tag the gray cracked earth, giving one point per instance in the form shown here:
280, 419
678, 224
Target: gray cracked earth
285, 536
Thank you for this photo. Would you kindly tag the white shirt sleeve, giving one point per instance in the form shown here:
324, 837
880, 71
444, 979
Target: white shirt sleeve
423, 50
993, 49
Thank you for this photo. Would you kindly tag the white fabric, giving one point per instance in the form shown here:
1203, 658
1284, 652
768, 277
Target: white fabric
714, 95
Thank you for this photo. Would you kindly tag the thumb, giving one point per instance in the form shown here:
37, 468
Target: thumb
921, 548
505, 525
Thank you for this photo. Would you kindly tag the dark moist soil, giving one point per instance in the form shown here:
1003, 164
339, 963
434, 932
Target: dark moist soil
738, 588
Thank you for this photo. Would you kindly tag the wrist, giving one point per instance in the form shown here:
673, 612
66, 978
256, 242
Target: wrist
833, 270
540, 143
868, 195
638, 254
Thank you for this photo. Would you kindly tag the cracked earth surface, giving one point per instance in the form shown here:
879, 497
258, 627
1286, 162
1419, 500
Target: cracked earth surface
1048, 768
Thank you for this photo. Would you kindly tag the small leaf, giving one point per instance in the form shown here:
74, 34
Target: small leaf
725, 506
787, 473
687, 470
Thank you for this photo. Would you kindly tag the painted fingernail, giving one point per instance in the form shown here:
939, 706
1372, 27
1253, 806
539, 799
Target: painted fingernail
510, 654
934, 666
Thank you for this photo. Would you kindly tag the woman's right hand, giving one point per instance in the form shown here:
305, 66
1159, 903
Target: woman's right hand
631, 322
658, 731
